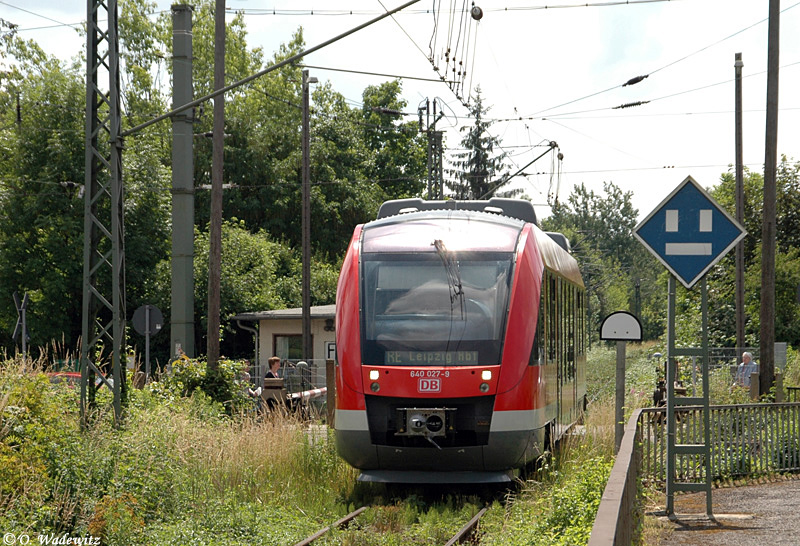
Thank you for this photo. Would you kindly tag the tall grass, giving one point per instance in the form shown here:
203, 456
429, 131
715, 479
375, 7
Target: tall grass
183, 470
178, 467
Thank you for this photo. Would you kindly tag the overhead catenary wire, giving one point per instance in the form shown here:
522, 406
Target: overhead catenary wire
36, 14
606, 108
366, 73
638, 79
345, 12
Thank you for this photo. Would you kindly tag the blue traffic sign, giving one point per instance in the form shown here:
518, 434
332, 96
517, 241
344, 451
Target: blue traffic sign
689, 232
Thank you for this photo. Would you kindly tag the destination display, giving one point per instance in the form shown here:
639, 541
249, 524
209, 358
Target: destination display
432, 358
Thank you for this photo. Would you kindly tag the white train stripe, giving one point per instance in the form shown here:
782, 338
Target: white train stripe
351, 420
514, 420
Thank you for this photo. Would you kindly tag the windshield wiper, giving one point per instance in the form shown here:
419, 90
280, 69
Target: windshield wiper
453, 274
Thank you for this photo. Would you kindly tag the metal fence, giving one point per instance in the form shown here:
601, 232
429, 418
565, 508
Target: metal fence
719, 357
302, 375
745, 440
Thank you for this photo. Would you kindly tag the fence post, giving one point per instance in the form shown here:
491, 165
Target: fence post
330, 382
754, 386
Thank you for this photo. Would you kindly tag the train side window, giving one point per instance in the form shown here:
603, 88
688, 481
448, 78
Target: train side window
571, 330
552, 325
562, 337
537, 351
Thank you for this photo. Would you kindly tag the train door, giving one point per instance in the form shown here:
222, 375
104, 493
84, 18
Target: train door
564, 341
566, 353
553, 361
571, 352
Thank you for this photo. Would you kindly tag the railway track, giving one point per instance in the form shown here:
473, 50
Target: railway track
340, 524
465, 533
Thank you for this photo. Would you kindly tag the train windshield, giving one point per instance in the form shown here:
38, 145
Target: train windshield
433, 309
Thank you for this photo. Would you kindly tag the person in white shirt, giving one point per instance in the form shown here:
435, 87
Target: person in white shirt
746, 367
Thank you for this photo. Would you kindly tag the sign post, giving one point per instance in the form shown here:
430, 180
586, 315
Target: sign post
620, 327
147, 321
689, 233
21, 329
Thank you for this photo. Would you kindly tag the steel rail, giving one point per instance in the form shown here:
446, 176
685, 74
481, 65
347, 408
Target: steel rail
339, 524
468, 529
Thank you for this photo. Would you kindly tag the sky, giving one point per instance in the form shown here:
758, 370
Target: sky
557, 64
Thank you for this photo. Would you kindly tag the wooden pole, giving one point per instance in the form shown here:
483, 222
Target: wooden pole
215, 223
767, 342
740, 343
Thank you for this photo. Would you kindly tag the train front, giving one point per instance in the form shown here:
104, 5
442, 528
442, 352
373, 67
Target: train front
423, 310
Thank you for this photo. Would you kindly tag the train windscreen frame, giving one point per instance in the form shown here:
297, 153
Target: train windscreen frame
425, 309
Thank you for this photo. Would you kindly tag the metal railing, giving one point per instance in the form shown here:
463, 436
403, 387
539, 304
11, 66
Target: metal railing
303, 375
745, 440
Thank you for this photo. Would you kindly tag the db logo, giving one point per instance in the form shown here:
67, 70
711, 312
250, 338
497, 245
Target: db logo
430, 385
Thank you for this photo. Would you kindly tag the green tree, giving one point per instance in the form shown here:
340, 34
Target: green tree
41, 209
618, 272
720, 278
399, 150
258, 274
478, 170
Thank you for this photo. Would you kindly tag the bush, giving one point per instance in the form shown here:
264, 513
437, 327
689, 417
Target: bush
225, 385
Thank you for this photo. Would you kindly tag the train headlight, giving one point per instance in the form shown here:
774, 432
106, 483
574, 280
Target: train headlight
375, 387
417, 423
484, 387
486, 375
374, 375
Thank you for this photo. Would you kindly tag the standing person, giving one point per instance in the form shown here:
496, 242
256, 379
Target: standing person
274, 366
746, 367
247, 387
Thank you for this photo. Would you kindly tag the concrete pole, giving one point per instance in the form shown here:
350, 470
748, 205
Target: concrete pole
182, 307
739, 209
767, 342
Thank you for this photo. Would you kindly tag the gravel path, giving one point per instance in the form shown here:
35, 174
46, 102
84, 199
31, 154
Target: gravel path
765, 514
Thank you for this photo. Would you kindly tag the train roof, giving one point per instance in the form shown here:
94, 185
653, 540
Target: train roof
556, 258
491, 228
461, 229
512, 208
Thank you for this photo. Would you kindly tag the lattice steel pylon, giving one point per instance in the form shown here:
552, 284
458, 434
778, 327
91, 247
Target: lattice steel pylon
103, 243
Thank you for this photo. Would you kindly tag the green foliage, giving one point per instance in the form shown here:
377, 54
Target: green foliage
399, 157
787, 264
258, 274
41, 165
360, 157
176, 472
560, 512
191, 377
618, 271
791, 376
479, 171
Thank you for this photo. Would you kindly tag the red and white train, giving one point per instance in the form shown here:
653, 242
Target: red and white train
460, 340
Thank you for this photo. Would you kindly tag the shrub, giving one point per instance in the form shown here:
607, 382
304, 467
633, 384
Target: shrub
116, 520
224, 385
